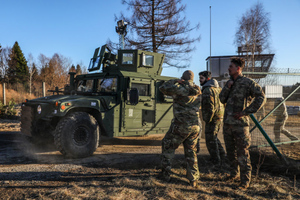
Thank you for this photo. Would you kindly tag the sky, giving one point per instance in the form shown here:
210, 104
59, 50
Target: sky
74, 28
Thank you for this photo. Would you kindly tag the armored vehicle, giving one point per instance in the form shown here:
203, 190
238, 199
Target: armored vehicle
118, 97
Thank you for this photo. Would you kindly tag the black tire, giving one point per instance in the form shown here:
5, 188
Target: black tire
77, 135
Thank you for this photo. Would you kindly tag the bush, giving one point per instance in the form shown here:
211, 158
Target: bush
7, 111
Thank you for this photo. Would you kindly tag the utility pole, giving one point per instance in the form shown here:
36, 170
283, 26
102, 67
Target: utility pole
209, 38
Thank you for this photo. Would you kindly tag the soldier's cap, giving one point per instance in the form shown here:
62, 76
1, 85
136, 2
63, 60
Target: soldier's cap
188, 75
206, 74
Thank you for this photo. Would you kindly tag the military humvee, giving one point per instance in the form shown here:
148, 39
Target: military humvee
119, 97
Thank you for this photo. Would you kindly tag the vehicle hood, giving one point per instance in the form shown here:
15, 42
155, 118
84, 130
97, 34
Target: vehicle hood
63, 98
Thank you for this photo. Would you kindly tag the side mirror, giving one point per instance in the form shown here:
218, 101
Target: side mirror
134, 96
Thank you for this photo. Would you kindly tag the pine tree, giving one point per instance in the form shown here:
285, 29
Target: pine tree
78, 69
72, 69
18, 70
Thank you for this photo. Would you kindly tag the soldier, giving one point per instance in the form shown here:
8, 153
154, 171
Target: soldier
185, 126
212, 114
237, 94
281, 117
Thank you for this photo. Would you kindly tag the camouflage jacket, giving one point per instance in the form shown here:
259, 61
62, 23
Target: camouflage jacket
238, 99
186, 101
212, 108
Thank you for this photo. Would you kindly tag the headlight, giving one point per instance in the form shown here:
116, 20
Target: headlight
39, 109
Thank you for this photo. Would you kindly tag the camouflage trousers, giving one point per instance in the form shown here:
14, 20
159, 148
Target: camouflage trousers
237, 142
176, 135
279, 128
213, 144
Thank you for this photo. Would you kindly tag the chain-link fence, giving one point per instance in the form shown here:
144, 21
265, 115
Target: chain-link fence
280, 117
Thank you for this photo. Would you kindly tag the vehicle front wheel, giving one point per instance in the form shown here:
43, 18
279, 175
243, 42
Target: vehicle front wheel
77, 135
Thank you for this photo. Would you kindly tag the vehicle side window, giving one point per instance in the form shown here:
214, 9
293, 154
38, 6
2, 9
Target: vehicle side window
144, 89
149, 60
107, 85
85, 86
127, 58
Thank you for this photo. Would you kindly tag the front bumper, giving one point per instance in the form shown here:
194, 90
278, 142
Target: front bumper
26, 120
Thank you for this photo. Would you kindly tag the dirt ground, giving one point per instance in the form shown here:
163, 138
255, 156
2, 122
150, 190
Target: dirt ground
128, 168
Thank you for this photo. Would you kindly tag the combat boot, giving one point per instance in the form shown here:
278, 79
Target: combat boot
165, 176
294, 138
277, 139
223, 157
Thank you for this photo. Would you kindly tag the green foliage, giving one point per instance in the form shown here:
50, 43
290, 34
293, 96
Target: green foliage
7, 111
18, 70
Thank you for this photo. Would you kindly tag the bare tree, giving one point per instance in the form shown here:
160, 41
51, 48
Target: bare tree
4, 59
32, 70
158, 26
54, 71
253, 33
43, 66
59, 65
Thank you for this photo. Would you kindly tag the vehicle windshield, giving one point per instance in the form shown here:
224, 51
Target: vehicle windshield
108, 84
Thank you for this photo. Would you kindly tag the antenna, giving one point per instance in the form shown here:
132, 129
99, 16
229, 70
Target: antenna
121, 29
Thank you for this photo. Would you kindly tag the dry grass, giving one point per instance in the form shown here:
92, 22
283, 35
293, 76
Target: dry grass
144, 183
16, 96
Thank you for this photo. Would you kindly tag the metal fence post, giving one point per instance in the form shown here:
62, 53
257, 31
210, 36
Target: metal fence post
4, 96
44, 89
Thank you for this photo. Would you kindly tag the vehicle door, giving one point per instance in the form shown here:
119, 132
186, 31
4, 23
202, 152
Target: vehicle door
139, 116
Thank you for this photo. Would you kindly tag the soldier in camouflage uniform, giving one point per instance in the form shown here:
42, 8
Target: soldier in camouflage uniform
185, 127
212, 114
281, 117
237, 94
260, 114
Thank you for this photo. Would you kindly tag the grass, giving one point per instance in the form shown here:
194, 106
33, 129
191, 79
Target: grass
16, 96
142, 181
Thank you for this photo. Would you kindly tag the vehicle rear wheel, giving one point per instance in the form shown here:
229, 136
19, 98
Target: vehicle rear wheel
77, 135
